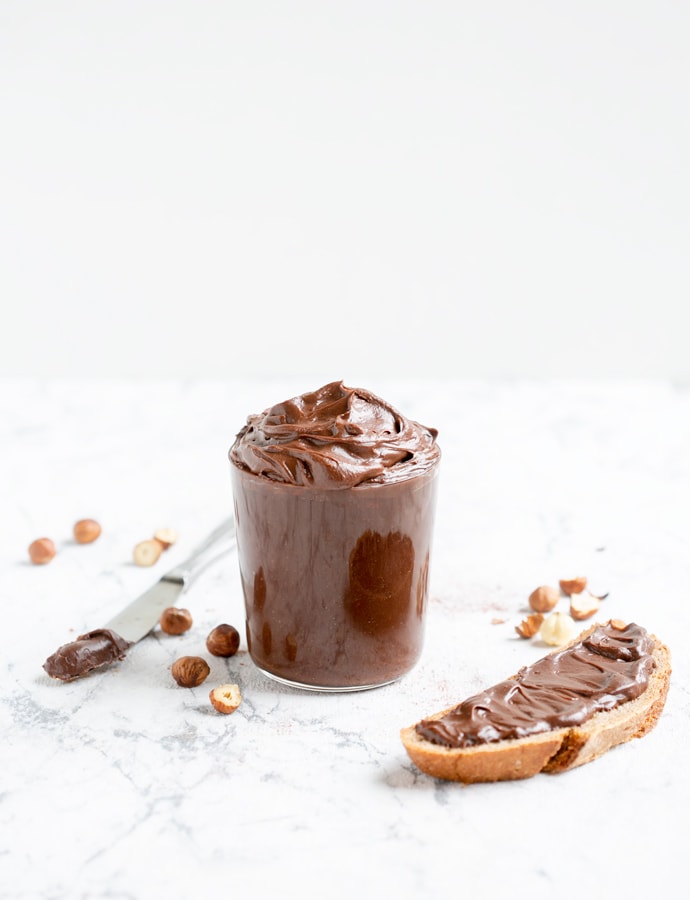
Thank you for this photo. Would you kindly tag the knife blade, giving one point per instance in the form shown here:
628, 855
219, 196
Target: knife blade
105, 645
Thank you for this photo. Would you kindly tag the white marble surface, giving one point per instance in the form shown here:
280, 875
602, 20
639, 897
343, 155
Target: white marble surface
123, 785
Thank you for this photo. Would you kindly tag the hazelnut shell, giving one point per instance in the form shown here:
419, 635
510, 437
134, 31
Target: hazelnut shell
544, 598
223, 640
573, 585
175, 620
86, 531
190, 671
41, 551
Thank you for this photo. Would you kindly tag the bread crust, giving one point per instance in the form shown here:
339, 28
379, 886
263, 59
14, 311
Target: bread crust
553, 751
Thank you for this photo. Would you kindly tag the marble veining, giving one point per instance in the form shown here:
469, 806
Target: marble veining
122, 785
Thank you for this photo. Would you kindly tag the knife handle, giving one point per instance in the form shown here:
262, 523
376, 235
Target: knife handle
216, 545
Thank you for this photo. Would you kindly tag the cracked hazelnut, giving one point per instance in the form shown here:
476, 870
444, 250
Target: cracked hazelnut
165, 536
86, 531
557, 629
226, 698
573, 585
175, 620
190, 671
530, 626
41, 551
224, 640
544, 598
583, 605
617, 624
146, 553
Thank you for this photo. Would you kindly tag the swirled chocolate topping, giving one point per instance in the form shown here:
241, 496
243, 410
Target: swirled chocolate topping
562, 690
335, 437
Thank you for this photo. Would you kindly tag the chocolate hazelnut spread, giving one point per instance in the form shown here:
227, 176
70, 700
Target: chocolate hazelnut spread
334, 503
90, 651
562, 690
333, 439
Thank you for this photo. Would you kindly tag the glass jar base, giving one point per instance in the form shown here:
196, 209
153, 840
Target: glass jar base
326, 689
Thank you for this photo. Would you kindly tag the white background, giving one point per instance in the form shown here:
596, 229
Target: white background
351, 189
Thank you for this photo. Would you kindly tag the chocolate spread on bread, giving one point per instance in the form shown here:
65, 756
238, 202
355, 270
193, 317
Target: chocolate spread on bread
562, 690
334, 502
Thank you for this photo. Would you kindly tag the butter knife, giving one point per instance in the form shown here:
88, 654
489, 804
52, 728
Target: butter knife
110, 643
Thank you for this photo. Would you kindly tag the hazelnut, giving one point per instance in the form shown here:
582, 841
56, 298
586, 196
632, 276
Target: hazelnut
544, 598
226, 698
190, 671
583, 605
573, 585
530, 626
86, 531
617, 624
165, 536
41, 551
224, 640
557, 629
175, 620
146, 553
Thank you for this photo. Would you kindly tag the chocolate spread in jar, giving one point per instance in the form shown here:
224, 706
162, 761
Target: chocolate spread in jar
564, 689
334, 504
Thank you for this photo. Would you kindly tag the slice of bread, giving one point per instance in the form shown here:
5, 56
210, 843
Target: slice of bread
552, 751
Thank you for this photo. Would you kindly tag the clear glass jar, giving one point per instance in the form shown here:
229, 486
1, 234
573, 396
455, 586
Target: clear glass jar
335, 582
